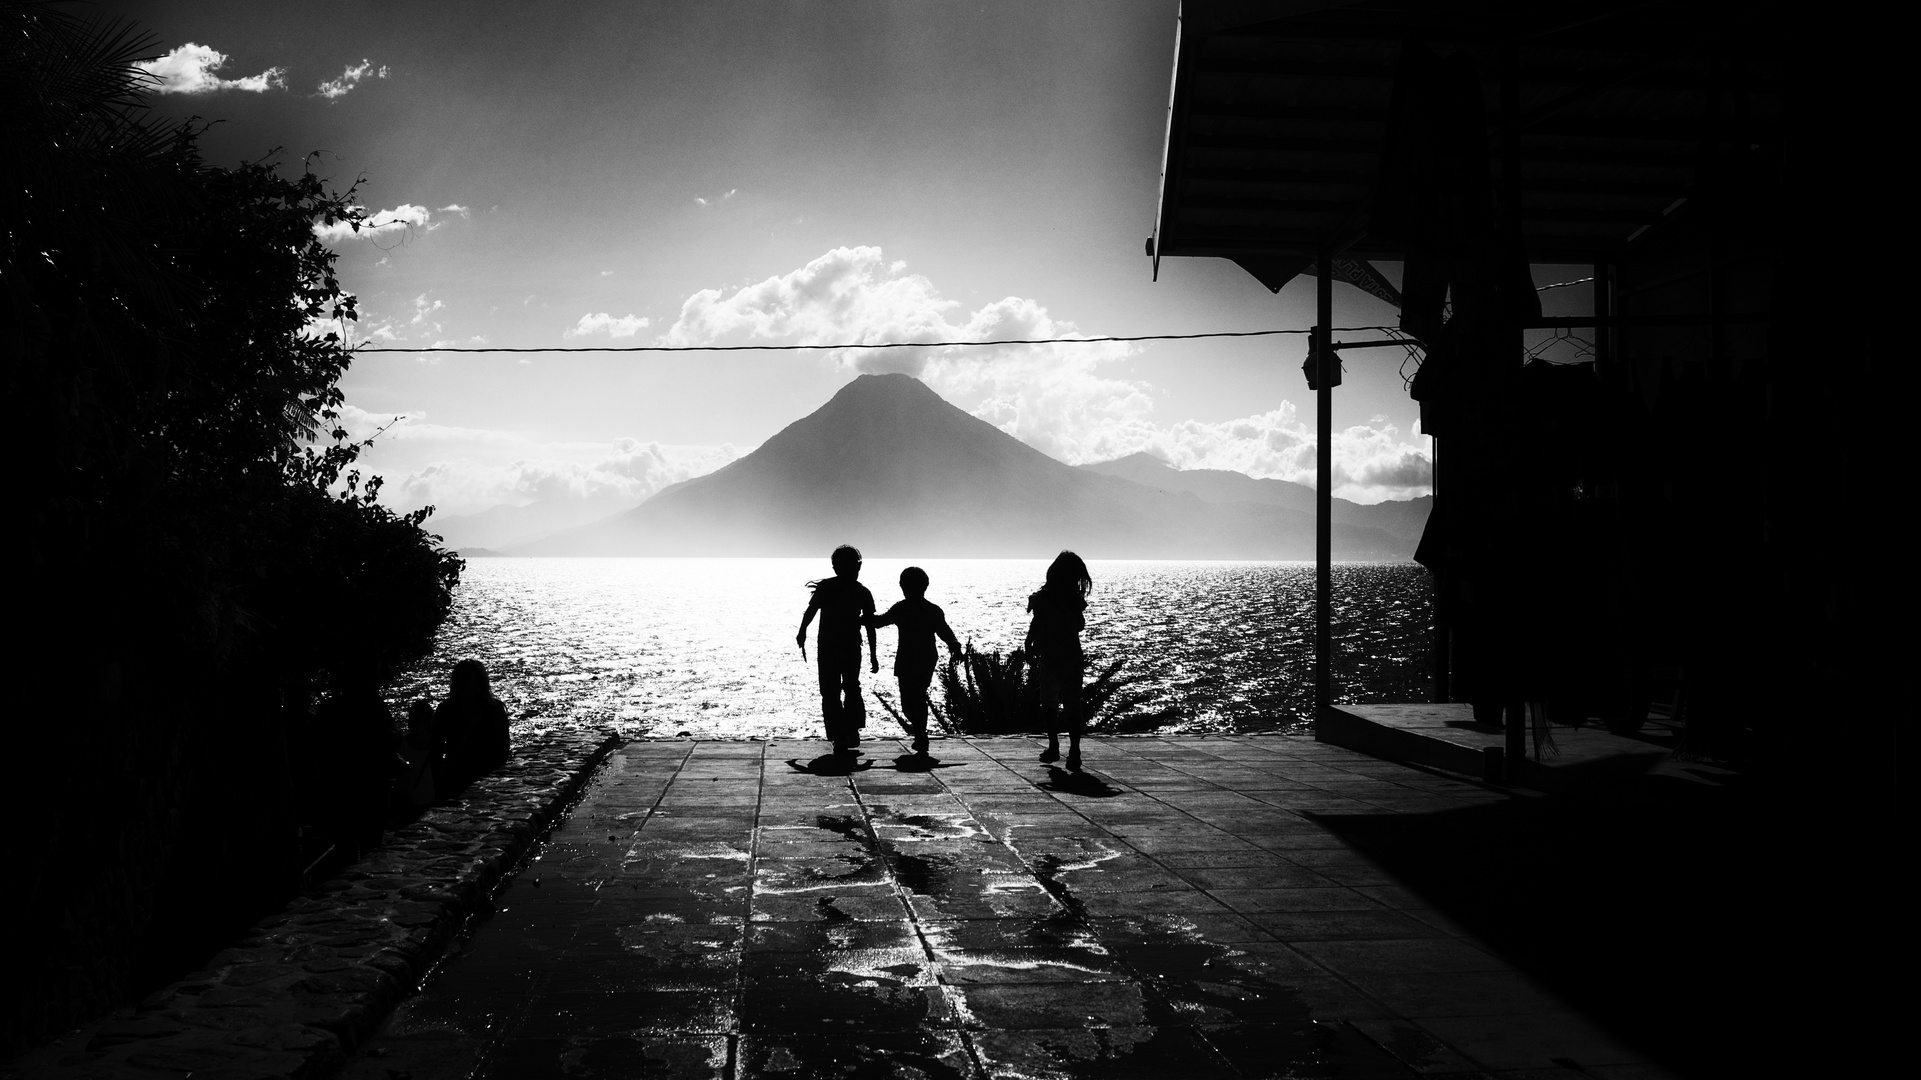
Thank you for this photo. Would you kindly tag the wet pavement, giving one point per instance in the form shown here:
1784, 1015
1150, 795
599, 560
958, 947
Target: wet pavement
1186, 908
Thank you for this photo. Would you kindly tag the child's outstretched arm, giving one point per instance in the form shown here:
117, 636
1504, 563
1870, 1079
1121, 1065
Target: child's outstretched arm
800, 638
946, 633
873, 640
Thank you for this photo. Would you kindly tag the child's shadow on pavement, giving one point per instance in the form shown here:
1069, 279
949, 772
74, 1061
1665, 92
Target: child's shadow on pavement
1081, 783
830, 765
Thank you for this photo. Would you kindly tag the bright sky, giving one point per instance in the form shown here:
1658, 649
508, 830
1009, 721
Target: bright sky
636, 173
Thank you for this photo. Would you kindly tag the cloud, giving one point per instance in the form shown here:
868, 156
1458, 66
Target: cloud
731, 192
1057, 396
405, 218
624, 327
846, 295
473, 474
465, 212
190, 69
425, 309
335, 89
1372, 461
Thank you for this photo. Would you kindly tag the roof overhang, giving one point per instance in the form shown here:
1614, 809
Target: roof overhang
1278, 115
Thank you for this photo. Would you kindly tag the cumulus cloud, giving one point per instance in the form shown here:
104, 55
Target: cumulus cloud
335, 89
611, 476
405, 218
846, 295
190, 69
1051, 396
624, 327
731, 192
425, 310
1057, 397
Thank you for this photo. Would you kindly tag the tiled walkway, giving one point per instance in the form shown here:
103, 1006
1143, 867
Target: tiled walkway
1187, 909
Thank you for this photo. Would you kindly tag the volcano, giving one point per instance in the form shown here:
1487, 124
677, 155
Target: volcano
891, 467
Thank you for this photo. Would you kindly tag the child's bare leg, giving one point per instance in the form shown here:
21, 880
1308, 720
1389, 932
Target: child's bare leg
830, 703
1072, 706
913, 698
1048, 718
854, 713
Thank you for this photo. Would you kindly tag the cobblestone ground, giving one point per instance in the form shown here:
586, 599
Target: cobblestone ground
1184, 909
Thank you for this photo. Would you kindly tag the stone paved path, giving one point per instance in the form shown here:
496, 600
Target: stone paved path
1185, 910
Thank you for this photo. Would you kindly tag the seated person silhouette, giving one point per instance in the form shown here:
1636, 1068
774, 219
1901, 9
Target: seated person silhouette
420, 747
471, 726
920, 620
845, 606
356, 755
1054, 650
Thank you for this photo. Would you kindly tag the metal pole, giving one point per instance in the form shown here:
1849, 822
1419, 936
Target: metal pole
1324, 485
1603, 307
1442, 637
1515, 742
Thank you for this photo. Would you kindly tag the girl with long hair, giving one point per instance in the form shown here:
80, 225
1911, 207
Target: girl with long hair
1054, 651
472, 726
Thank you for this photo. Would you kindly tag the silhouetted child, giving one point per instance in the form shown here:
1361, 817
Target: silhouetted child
357, 755
845, 607
421, 749
471, 726
915, 655
1054, 651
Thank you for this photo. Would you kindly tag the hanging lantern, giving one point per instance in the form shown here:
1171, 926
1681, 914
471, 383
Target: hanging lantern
1312, 367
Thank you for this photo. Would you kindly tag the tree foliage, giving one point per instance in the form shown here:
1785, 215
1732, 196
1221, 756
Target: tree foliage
168, 340
197, 543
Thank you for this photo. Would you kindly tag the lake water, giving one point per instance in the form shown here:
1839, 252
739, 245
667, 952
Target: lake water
705, 647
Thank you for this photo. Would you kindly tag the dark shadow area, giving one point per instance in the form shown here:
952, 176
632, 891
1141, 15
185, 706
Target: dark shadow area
1693, 930
1077, 783
831, 765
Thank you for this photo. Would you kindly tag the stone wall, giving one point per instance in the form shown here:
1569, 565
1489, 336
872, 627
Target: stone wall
304, 986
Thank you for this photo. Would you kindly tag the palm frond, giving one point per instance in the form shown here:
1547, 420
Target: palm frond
989, 693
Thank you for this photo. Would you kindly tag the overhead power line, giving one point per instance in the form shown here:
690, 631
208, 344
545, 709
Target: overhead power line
365, 347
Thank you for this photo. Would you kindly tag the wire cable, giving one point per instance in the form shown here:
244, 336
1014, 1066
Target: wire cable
366, 347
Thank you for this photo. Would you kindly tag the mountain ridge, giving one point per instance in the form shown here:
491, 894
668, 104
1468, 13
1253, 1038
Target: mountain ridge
1405, 518
890, 466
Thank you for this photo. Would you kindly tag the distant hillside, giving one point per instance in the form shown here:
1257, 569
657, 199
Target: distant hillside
1403, 518
506, 526
891, 467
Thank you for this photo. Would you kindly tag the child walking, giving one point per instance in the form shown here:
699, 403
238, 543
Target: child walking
845, 606
919, 620
1054, 650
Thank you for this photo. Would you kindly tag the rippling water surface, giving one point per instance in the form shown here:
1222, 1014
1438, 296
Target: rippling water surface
706, 646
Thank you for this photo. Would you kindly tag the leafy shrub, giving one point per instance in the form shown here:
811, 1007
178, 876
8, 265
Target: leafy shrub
195, 545
989, 693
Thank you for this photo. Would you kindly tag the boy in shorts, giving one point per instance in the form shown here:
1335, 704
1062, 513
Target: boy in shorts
845, 606
920, 621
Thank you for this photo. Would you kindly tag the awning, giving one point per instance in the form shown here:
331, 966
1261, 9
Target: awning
1280, 115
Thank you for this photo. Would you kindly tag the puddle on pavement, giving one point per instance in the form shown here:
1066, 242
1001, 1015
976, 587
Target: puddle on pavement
928, 875
934, 1055
855, 991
